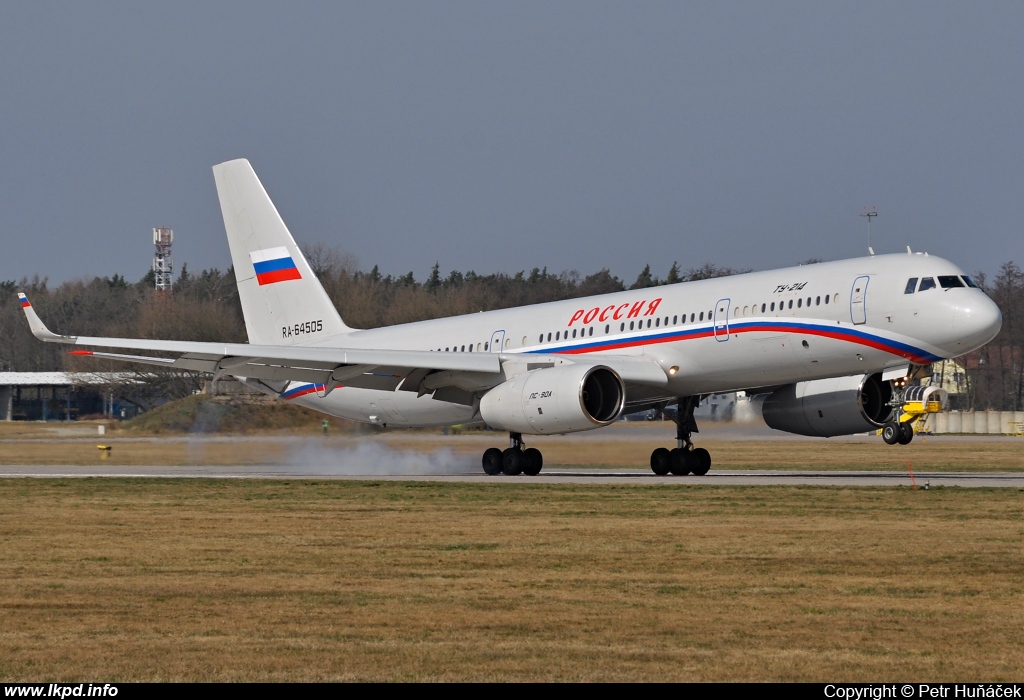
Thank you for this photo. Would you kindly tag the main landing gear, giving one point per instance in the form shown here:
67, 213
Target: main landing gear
514, 460
685, 458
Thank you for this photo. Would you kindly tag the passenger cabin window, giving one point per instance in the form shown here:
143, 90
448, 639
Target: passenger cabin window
926, 283
911, 286
950, 281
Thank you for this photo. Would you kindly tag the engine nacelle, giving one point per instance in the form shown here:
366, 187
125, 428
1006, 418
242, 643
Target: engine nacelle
563, 399
830, 407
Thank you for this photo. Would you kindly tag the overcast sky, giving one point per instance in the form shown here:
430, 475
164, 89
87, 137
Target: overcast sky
502, 136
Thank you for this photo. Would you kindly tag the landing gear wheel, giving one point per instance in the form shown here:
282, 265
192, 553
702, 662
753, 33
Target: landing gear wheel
906, 434
891, 433
681, 462
661, 461
512, 461
533, 461
492, 461
702, 461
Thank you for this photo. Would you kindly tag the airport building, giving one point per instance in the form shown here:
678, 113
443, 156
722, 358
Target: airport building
61, 396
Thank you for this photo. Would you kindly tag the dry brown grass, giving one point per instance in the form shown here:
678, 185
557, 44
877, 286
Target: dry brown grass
47, 445
326, 580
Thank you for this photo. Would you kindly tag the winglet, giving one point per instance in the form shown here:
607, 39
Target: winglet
38, 328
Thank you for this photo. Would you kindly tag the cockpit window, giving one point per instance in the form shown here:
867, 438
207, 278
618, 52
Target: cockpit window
970, 283
950, 281
927, 283
911, 286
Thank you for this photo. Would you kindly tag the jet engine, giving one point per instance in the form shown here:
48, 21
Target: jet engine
563, 399
830, 407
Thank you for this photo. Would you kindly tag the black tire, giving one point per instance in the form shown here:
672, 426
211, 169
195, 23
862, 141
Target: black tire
702, 461
906, 434
492, 461
681, 463
661, 461
891, 433
533, 461
512, 461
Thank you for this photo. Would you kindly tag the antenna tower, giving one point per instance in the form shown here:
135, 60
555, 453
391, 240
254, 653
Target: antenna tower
163, 266
870, 215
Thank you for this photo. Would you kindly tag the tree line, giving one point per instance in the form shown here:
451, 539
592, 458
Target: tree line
205, 307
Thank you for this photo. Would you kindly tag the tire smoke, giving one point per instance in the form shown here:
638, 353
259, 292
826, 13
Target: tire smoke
373, 459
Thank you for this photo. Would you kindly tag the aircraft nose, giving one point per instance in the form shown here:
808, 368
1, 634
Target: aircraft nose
976, 322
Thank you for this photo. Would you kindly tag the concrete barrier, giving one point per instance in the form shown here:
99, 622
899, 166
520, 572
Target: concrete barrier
976, 422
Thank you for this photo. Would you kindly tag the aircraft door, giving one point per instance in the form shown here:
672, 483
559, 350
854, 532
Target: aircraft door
722, 320
858, 299
497, 338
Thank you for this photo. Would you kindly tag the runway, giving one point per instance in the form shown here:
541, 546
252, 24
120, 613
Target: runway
555, 476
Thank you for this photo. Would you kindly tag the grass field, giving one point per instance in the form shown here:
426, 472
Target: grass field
116, 579
617, 447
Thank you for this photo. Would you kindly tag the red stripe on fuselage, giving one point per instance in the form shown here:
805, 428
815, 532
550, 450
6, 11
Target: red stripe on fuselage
766, 328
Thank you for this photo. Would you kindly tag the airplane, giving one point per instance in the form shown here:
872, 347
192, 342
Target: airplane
832, 345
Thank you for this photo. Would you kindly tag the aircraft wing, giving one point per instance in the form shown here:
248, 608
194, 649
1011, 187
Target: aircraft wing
363, 368
332, 367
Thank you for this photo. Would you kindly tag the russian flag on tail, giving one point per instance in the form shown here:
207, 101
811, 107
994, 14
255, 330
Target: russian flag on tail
274, 265
24, 300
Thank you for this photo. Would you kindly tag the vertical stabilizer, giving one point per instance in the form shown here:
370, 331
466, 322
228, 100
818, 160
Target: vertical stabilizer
282, 300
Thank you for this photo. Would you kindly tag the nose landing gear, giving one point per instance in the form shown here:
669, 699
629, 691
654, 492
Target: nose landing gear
516, 459
911, 406
895, 432
684, 458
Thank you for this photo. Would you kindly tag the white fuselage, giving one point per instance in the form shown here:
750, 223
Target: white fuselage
746, 331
